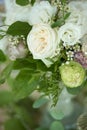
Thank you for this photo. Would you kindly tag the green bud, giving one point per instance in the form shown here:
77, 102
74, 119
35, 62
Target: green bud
72, 74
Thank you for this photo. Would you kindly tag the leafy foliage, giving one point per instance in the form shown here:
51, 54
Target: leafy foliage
74, 91
22, 2
40, 102
49, 84
56, 126
63, 1
19, 28
13, 124
60, 21
2, 33
6, 97
24, 83
32, 2
2, 56
1, 36
25, 63
25, 2
6, 72
57, 115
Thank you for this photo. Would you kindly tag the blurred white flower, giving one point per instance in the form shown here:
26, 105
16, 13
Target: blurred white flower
65, 104
78, 5
78, 14
16, 47
15, 12
43, 42
84, 45
18, 51
70, 33
41, 12
11, 50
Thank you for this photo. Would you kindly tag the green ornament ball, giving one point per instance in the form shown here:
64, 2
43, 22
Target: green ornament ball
72, 74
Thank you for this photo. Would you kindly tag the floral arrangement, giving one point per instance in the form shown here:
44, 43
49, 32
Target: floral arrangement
43, 47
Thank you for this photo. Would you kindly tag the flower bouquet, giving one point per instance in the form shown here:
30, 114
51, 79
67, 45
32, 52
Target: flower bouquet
43, 47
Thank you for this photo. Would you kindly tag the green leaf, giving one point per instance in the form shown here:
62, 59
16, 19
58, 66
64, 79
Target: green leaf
6, 97
32, 2
22, 2
67, 15
74, 91
41, 66
39, 102
24, 84
24, 63
1, 36
6, 72
14, 124
2, 56
19, 28
63, 1
56, 126
24, 114
58, 23
58, 115
40, 128
49, 1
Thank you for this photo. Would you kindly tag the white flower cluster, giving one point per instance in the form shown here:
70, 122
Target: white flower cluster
75, 27
43, 41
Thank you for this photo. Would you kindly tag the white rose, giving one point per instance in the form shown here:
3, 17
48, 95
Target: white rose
70, 33
41, 13
43, 42
15, 12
